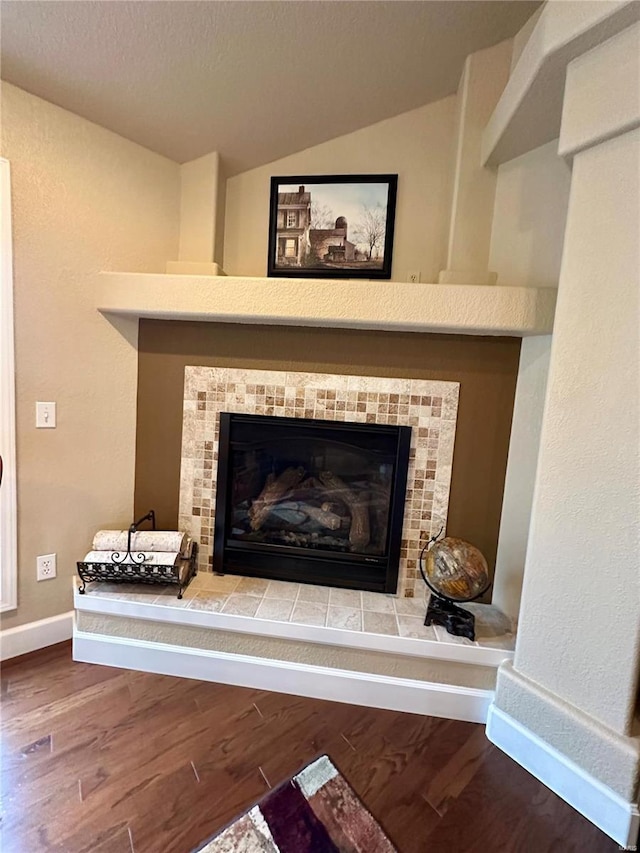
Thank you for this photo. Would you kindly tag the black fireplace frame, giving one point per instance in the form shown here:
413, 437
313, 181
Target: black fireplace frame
301, 565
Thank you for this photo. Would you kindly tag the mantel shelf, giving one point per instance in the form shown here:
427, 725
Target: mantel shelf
384, 305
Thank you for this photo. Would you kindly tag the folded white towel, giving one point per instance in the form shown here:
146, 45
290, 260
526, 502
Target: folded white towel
151, 558
141, 540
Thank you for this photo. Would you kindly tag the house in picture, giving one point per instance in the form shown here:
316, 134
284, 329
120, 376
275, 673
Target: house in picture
293, 224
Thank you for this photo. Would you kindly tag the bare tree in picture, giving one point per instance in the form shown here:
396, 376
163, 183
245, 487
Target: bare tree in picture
370, 229
322, 216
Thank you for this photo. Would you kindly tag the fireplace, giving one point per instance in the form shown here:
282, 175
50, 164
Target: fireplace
311, 501
429, 407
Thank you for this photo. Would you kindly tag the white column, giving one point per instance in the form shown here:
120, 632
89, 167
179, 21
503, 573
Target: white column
484, 77
573, 685
200, 190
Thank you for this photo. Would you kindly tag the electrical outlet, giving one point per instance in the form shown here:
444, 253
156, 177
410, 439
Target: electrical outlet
414, 276
46, 567
46, 415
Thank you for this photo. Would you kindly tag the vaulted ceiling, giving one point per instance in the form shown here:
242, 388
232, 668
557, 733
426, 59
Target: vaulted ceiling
254, 81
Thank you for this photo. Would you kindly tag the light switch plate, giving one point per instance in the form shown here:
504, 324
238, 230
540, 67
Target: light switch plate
46, 415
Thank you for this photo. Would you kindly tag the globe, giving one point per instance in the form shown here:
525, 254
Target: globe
456, 570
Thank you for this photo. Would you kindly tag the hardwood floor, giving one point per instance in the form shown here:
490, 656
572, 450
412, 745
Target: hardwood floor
101, 760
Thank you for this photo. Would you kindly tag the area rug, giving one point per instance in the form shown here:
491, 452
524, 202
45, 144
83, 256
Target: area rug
316, 811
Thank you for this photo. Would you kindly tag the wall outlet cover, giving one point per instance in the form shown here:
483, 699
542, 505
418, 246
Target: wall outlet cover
46, 567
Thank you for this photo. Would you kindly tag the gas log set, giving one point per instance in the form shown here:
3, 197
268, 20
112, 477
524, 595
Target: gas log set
298, 509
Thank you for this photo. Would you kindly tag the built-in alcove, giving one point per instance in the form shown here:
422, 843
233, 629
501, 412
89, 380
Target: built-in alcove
485, 367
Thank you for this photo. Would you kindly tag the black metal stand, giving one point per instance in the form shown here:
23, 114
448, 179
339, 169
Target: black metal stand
456, 620
131, 568
138, 559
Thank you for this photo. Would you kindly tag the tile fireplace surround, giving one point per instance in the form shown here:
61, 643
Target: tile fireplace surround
429, 407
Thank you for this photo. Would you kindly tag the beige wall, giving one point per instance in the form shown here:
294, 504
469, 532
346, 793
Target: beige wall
528, 408
484, 77
198, 208
527, 236
83, 200
532, 194
416, 145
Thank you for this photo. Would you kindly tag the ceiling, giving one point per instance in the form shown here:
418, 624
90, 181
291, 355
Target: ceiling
254, 81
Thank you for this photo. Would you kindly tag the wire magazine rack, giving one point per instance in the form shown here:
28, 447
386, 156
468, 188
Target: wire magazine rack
130, 567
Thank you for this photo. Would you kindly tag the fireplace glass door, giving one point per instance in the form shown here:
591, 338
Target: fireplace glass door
311, 501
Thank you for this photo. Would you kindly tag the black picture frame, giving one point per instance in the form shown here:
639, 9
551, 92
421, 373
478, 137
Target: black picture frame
310, 227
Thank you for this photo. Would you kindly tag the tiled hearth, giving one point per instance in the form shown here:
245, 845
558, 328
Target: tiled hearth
275, 604
428, 407
295, 638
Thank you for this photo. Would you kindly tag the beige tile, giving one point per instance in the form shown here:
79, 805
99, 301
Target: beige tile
211, 601
174, 601
309, 613
282, 589
413, 626
411, 607
275, 608
201, 581
490, 620
380, 623
103, 589
319, 594
445, 637
142, 593
345, 598
506, 641
252, 586
242, 605
344, 617
378, 602
219, 583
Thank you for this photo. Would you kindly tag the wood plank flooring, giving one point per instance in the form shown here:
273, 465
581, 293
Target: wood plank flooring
101, 760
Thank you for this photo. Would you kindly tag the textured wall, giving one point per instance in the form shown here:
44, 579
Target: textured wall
532, 194
415, 145
484, 77
528, 409
83, 200
585, 533
574, 681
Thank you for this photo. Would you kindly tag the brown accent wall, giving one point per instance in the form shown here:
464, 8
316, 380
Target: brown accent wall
486, 369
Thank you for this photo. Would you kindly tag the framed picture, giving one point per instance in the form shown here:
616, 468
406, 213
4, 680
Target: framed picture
332, 226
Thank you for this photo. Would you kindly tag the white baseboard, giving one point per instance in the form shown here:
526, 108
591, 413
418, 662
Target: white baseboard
598, 803
35, 635
338, 685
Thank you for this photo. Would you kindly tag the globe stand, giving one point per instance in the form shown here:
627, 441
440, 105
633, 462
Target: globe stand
456, 620
442, 611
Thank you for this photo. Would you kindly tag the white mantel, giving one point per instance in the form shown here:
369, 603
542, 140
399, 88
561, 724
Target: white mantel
384, 305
